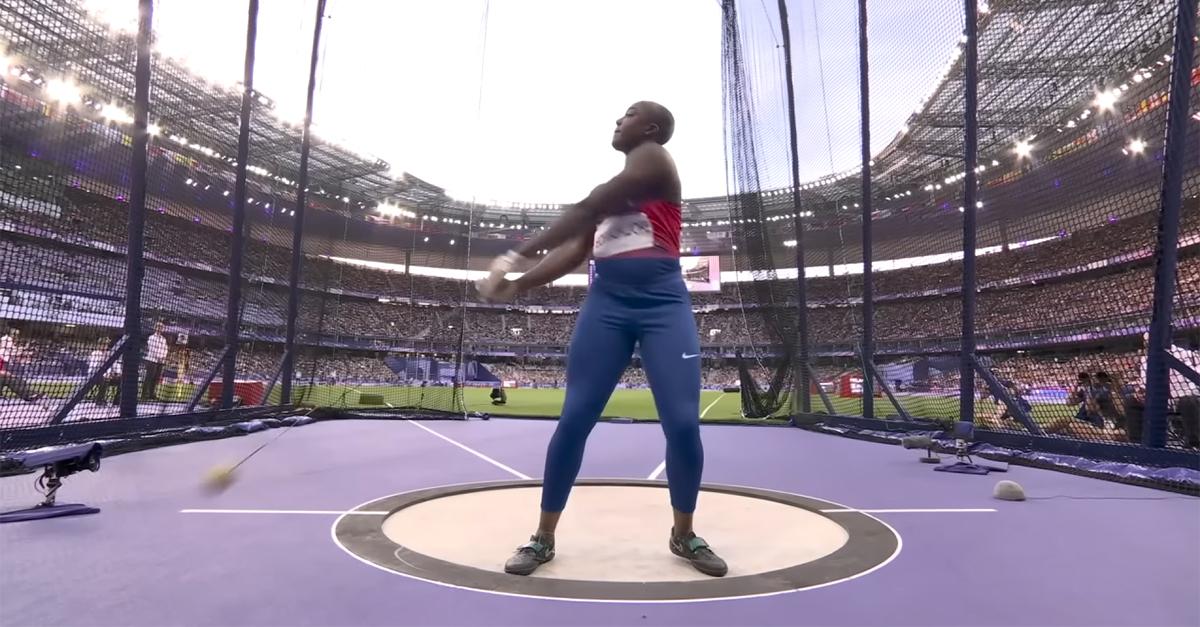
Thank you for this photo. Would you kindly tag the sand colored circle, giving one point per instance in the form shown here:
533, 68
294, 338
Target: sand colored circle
612, 541
614, 533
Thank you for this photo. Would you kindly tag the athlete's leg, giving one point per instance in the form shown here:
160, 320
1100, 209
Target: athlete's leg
670, 349
671, 355
600, 350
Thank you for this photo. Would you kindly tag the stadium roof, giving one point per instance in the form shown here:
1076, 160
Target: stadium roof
1040, 61
1041, 64
52, 38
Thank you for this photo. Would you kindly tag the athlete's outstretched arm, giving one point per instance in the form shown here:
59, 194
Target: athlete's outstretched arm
557, 264
647, 171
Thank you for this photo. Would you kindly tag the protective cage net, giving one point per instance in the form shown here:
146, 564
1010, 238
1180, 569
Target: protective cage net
1071, 126
377, 337
1072, 118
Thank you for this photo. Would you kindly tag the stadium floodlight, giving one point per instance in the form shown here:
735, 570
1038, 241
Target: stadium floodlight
1105, 100
1023, 149
995, 163
451, 242
1137, 146
154, 129
64, 91
116, 114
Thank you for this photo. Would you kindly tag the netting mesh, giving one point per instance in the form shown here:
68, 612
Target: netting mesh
1072, 116
1071, 123
383, 338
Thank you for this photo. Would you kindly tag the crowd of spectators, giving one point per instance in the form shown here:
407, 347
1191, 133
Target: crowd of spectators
40, 275
72, 263
97, 218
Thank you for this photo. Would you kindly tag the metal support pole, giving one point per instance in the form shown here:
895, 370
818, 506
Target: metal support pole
135, 268
871, 372
271, 386
821, 392
1157, 380
232, 317
801, 369
207, 380
1002, 395
868, 305
289, 346
966, 391
90, 381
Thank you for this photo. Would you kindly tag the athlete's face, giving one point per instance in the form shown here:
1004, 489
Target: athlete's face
633, 128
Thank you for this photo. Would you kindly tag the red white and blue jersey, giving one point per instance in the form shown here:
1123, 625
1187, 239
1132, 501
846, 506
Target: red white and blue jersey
653, 230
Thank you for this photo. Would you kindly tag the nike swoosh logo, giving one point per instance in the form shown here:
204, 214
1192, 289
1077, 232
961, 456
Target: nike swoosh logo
687, 356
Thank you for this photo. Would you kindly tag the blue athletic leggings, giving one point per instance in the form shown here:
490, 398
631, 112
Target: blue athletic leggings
632, 301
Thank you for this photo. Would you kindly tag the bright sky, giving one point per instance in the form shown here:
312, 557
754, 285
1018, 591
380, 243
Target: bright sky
528, 116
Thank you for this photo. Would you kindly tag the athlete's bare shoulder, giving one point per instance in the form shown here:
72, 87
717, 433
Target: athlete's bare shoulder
652, 162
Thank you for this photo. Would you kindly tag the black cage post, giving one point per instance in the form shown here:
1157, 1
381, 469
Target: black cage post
802, 367
867, 351
289, 347
1157, 358
966, 390
134, 263
232, 319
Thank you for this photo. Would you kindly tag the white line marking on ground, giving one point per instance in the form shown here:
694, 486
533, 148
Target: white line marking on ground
313, 512
332, 512
515, 473
710, 405
663, 465
934, 510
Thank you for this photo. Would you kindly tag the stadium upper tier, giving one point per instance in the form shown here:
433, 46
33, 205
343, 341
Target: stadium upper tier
1057, 83
69, 268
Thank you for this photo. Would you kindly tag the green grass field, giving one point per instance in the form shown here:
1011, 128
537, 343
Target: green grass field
637, 404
